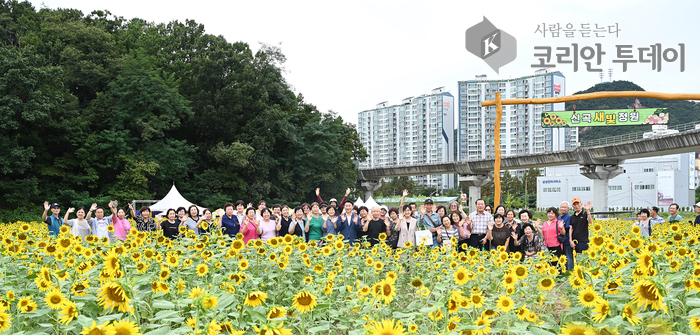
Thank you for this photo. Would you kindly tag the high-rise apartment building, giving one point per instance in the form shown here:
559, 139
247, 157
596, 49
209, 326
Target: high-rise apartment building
419, 130
521, 130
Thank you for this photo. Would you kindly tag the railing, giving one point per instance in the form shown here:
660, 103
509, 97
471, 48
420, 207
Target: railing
634, 136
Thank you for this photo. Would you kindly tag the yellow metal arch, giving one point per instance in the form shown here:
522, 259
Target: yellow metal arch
567, 98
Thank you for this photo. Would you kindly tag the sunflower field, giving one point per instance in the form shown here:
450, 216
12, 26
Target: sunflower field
210, 284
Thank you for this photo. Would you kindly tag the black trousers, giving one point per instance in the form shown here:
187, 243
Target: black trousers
475, 241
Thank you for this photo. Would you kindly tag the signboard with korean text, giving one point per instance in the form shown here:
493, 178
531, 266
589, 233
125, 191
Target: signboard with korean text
615, 117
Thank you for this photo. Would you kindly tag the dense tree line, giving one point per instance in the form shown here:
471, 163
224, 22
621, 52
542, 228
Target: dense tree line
96, 106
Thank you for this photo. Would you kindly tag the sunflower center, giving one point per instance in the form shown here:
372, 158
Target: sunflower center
304, 300
115, 294
386, 289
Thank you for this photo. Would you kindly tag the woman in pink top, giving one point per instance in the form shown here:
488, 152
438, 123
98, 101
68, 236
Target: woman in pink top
459, 220
268, 227
250, 228
120, 223
550, 229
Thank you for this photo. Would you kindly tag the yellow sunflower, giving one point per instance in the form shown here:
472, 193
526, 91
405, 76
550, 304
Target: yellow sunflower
125, 327
588, 297
55, 299
5, 321
646, 293
255, 298
112, 295
461, 276
68, 312
576, 328
304, 301
386, 327
505, 303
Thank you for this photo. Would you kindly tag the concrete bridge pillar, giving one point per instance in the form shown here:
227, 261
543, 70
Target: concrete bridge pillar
475, 182
368, 187
601, 175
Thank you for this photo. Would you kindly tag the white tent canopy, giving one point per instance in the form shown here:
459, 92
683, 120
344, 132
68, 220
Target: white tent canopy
172, 200
359, 202
370, 203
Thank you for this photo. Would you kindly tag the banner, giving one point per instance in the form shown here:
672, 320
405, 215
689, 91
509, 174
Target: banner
665, 188
615, 117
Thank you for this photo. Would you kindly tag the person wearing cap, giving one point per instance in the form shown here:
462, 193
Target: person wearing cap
54, 221
342, 202
430, 220
578, 233
383, 210
479, 222
697, 211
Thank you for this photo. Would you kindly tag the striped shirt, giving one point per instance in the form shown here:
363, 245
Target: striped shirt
481, 222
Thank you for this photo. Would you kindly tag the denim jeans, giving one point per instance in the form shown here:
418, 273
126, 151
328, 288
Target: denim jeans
569, 256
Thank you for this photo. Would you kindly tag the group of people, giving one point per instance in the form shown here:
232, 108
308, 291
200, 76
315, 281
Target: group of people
485, 228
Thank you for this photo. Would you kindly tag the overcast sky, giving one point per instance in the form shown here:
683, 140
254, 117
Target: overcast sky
348, 56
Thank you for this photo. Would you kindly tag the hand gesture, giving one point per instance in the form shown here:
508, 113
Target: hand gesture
588, 206
343, 216
93, 207
561, 224
538, 224
490, 225
318, 191
354, 220
159, 217
422, 209
279, 226
405, 193
347, 192
131, 207
387, 223
71, 210
461, 208
250, 205
514, 235
46, 205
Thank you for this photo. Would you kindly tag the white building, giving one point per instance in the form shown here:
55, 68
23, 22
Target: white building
419, 130
652, 181
521, 131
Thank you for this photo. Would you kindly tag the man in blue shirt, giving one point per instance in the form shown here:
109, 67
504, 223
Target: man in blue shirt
566, 217
54, 221
430, 219
655, 217
348, 224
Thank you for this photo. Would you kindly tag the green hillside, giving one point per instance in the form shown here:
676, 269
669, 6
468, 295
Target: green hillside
680, 111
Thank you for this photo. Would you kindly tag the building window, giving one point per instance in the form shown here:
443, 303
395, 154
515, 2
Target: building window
581, 189
551, 189
644, 187
649, 169
615, 188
